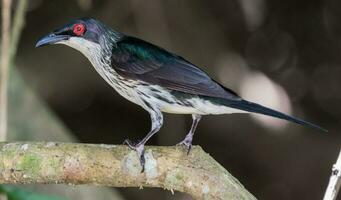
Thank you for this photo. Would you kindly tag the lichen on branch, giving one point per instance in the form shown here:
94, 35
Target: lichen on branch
197, 174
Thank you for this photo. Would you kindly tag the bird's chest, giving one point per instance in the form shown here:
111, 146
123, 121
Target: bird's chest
124, 87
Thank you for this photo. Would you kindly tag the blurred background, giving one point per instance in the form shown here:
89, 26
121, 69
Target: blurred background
283, 54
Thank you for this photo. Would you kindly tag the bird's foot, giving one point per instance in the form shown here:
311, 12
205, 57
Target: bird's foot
139, 148
187, 143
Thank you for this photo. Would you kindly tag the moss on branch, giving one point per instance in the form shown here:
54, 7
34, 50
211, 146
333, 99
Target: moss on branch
197, 174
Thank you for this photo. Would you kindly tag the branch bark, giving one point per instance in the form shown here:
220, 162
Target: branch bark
197, 174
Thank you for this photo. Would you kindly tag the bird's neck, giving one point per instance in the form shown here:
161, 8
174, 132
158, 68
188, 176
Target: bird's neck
99, 54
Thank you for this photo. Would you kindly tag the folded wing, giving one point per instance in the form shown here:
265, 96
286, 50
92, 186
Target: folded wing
136, 59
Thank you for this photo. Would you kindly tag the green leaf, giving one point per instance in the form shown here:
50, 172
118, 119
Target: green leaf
16, 193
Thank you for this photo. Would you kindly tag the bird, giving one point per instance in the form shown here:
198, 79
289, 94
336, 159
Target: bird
154, 78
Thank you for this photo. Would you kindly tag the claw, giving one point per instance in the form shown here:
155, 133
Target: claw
140, 152
129, 143
187, 144
139, 148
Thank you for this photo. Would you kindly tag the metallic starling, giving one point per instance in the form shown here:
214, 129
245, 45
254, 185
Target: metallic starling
157, 80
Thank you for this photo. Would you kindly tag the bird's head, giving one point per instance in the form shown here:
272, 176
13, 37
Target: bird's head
86, 35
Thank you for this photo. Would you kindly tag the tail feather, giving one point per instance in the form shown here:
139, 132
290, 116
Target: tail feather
256, 108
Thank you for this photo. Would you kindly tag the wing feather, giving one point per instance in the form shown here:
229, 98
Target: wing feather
136, 59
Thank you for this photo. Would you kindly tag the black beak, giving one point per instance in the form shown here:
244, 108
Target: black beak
51, 39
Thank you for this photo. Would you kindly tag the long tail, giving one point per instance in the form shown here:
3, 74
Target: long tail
256, 108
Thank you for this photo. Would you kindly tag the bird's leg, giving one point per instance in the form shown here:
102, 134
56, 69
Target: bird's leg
157, 120
187, 142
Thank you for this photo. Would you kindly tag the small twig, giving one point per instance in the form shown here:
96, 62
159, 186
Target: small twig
334, 181
197, 174
5, 44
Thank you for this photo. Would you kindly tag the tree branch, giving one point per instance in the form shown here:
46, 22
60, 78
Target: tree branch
334, 181
4, 68
18, 25
197, 174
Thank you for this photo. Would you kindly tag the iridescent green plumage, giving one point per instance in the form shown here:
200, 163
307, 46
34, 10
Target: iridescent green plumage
136, 59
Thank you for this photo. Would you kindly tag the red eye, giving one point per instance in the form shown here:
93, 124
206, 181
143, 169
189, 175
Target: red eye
79, 29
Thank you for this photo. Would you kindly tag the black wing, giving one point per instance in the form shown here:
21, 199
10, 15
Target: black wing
136, 59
